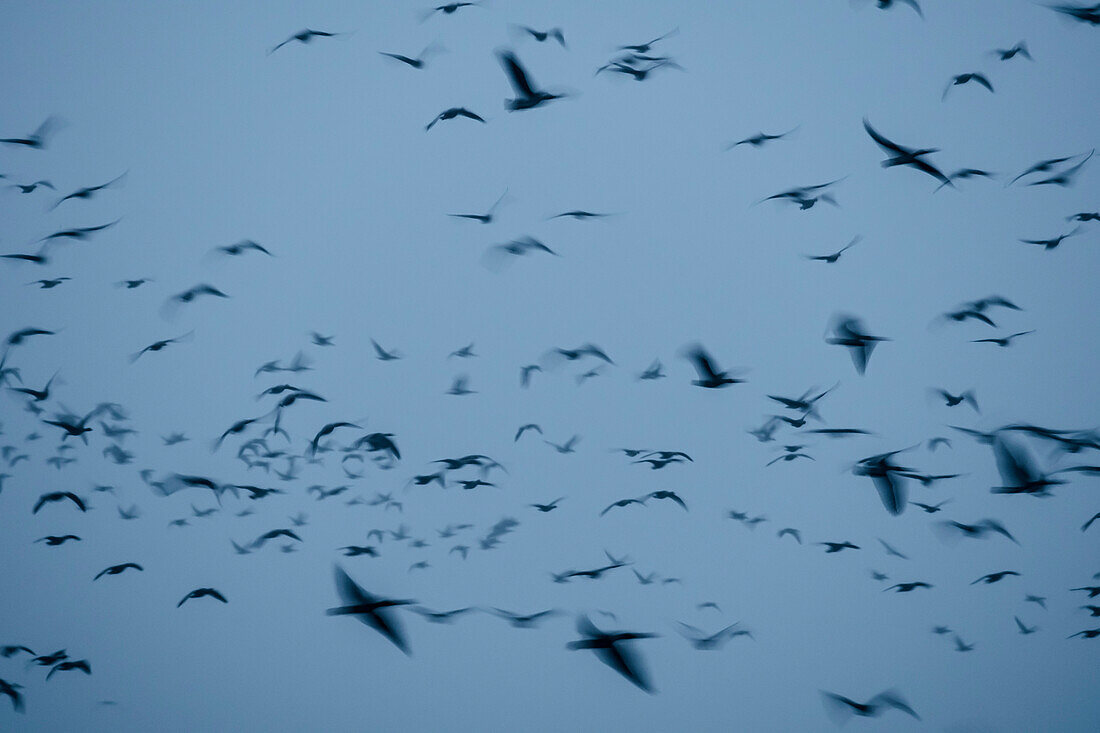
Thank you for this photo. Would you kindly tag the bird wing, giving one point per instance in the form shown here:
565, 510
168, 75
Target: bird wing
516, 74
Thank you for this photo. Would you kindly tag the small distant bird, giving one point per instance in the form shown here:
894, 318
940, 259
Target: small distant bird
55, 496
201, 592
849, 332
523, 429
527, 95
116, 569
901, 155
792, 532
159, 345
451, 113
645, 47
1002, 342
543, 36
30, 187
87, 192
458, 386
566, 447
245, 245
1025, 630
37, 139
759, 139
609, 648
955, 400
303, 36
832, 258
1020, 49
450, 8
548, 507
831, 547
841, 708
908, 587
1053, 242
382, 354
994, 577
710, 376
80, 665
417, 63
965, 79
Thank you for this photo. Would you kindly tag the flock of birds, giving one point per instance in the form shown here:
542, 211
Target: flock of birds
291, 456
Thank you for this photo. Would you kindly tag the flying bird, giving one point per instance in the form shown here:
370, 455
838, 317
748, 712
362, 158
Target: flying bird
373, 611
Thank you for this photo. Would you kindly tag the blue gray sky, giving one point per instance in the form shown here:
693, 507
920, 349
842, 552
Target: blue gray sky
318, 152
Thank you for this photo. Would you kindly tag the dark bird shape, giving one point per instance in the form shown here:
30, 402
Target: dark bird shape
371, 610
1087, 633
1002, 342
543, 36
116, 569
131, 284
49, 284
524, 428
1087, 14
610, 649
78, 234
670, 495
12, 691
759, 139
908, 587
710, 377
30, 187
1041, 167
566, 447
241, 247
160, 345
955, 400
523, 621
582, 351
449, 8
1020, 49
417, 63
792, 532
961, 79
831, 547
579, 215
487, 217
978, 530
440, 617
832, 258
965, 174
259, 541
1024, 629
930, 508
451, 113
525, 374
702, 640
79, 665
496, 255
548, 507
18, 337
189, 295
994, 577
1066, 177
38, 395
887, 478
849, 332
328, 430
891, 550
905, 156
1019, 471
622, 503
653, 371
1093, 518
1038, 600
357, 550
1084, 216
1094, 611
87, 192
54, 540
788, 457
201, 592
303, 36
37, 139
55, 496
1092, 590
1053, 242
841, 708
528, 96
10, 650
645, 47
459, 386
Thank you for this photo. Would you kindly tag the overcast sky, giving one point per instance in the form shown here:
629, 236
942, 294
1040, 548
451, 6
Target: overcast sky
319, 153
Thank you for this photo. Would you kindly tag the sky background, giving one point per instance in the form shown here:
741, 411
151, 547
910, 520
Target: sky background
319, 153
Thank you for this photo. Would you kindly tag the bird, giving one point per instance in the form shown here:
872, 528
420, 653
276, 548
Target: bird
961, 79
450, 8
458, 386
116, 569
420, 61
792, 532
670, 495
56, 496
160, 345
610, 649
524, 428
528, 96
709, 376
930, 508
1087, 633
303, 36
849, 332
1053, 242
841, 708
548, 507
55, 540
622, 503
699, 639
488, 216
645, 47
955, 400
832, 258
1066, 177
87, 192
905, 156
759, 139
1002, 342
200, 593
373, 611
1024, 629
908, 587
80, 665
887, 4
451, 113
31, 187
36, 140
994, 577
831, 547
1093, 518
566, 447
543, 36
1088, 14
1006, 54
